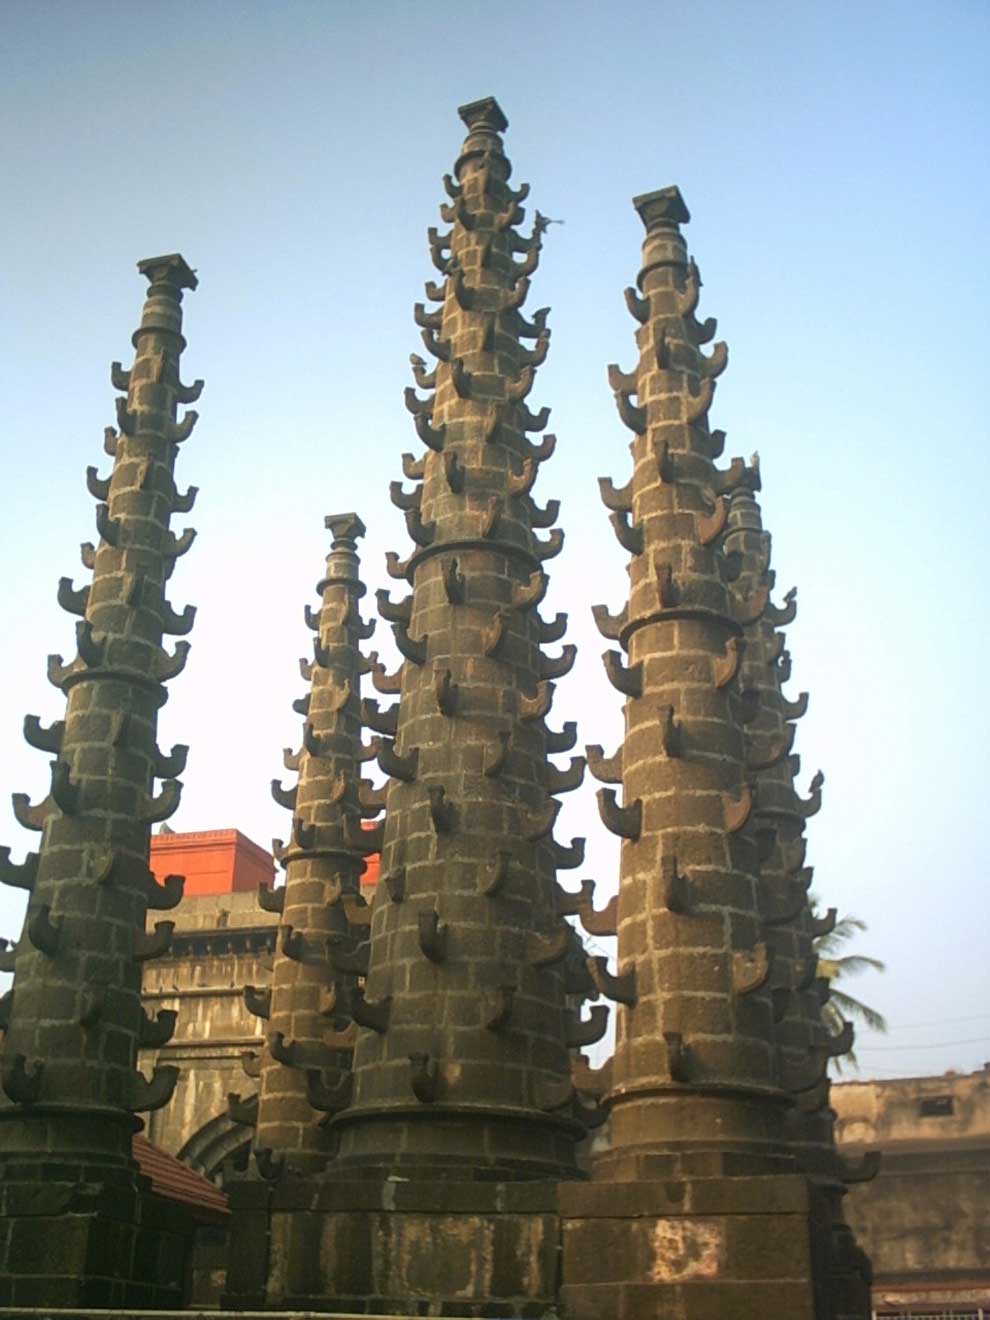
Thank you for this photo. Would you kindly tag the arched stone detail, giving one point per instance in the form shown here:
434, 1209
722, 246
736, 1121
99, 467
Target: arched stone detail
212, 1145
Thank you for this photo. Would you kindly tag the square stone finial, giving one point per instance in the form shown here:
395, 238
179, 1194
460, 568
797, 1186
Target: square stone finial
171, 269
486, 113
344, 526
663, 207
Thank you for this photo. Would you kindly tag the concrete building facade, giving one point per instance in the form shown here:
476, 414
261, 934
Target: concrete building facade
925, 1220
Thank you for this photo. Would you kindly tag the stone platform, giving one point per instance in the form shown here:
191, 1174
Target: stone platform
86, 1231
47, 1313
438, 1248
706, 1249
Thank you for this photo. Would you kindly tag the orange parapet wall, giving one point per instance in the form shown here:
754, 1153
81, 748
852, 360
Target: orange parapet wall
213, 861
225, 862
369, 878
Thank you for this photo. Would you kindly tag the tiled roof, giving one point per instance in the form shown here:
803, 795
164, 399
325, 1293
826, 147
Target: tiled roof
175, 1181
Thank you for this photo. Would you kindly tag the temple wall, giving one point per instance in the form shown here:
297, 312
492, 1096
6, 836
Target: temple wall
221, 942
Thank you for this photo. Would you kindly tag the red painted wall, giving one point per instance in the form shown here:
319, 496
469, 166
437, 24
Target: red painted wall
225, 862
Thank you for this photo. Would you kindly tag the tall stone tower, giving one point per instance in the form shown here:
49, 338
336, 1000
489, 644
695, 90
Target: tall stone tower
700, 1207
463, 1114
75, 1226
466, 941
695, 1059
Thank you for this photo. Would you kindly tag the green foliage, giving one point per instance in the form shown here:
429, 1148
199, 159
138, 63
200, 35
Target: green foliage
837, 966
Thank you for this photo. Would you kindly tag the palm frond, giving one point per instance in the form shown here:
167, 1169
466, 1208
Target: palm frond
852, 963
847, 926
850, 1007
835, 966
832, 1018
841, 1062
844, 930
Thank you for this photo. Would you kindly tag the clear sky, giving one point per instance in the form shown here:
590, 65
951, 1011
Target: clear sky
834, 158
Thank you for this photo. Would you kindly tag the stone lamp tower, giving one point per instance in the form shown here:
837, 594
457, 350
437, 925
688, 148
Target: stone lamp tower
700, 1206
461, 1115
780, 814
315, 1003
473, 1074
76, 1226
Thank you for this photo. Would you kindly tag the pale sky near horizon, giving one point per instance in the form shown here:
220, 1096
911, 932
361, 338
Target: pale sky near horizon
834, 160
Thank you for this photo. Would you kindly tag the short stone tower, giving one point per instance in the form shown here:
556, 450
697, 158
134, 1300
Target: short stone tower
313, 999
799, 992
314, 1003
75, 1226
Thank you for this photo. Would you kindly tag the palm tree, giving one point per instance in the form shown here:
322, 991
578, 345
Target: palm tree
836, 966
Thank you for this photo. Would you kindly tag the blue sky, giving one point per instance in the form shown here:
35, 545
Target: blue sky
834, 159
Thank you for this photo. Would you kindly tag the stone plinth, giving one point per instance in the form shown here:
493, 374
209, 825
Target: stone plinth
691, 1249
83, 1230
411, 1248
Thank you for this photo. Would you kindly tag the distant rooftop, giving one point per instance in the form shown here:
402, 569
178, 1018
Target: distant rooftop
175, 1181
222, 862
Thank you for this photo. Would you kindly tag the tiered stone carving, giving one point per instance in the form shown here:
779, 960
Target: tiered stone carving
467, 938
798, 993
314, 1006
73, 1020
694, 1066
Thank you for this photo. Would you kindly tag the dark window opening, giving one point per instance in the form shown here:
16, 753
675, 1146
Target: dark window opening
935, 1106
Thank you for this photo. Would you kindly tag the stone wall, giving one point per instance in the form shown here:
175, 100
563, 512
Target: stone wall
221, 943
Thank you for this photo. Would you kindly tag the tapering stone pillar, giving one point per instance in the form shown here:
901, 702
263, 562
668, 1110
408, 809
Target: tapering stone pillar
799, 993
313, 998
314, 1004
700, 1209
694, 1065
472, 1076
76, 1225
779, 816
442, 1196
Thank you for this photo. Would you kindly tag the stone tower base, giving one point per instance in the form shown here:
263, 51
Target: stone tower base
753, 1248
394, 1247
69, 1239
85, 1230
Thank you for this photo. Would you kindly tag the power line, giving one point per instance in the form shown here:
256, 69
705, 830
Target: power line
938, 1022
940, 1045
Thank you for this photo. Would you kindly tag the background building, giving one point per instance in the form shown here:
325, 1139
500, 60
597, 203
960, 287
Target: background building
925, 1220
223, 940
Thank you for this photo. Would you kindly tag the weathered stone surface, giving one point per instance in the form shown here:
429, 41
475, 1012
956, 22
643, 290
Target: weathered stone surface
76, 1225
422, 1247
469, 819
689, 1248
713, 930
310, 1000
